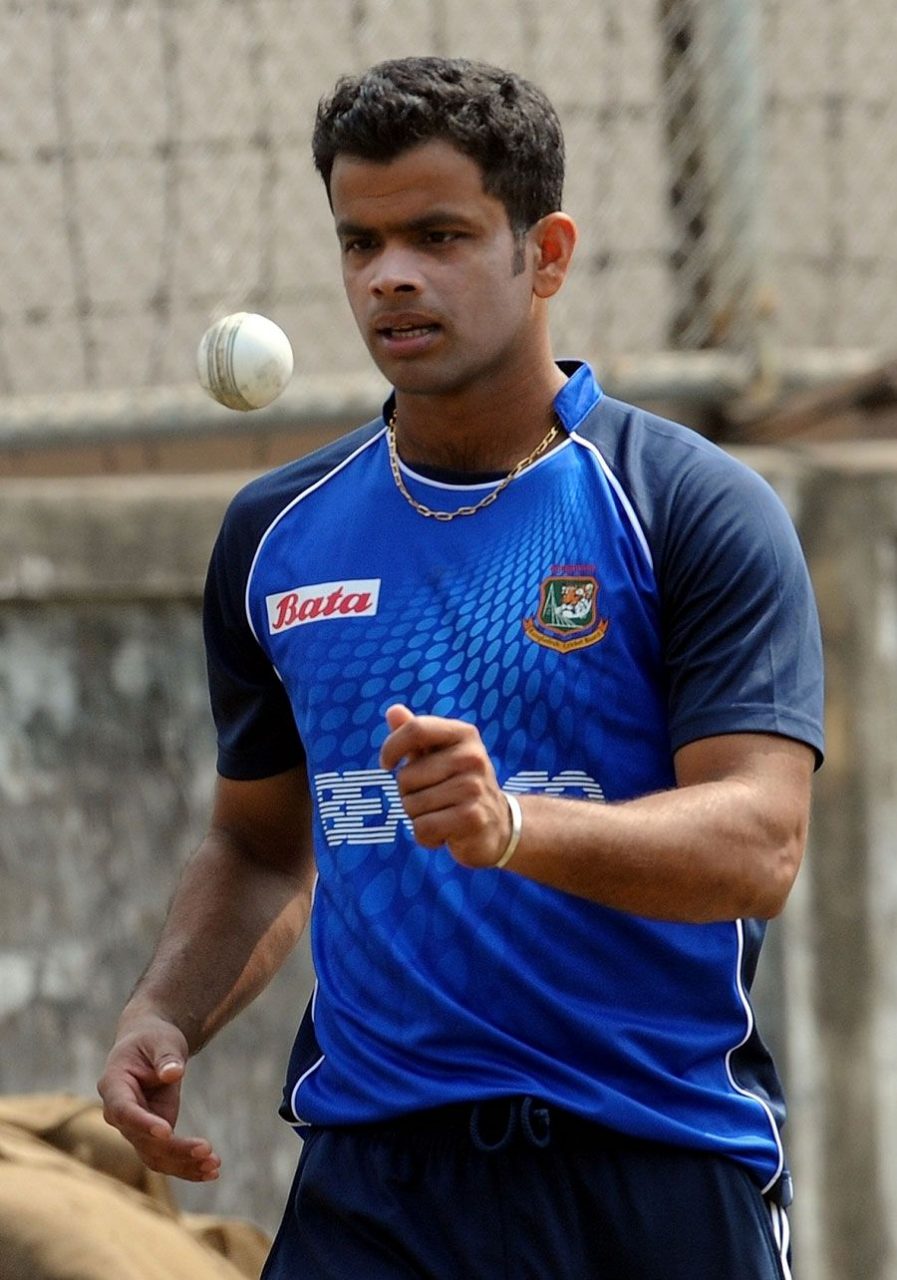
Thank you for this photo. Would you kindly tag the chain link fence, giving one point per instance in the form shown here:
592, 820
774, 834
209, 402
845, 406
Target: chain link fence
731, 166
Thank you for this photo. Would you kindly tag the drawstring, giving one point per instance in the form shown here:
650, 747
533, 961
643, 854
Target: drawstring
537, 1134
488, 1136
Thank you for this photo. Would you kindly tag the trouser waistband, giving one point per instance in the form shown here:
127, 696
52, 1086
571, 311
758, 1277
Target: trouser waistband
493, 1125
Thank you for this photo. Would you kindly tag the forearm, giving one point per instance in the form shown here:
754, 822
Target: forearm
696, 853
231, 924
725, 843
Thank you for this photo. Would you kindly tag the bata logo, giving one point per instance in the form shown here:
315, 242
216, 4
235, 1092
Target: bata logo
356, 598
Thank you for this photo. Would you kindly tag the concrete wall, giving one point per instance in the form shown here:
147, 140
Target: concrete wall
840, 975
106, 767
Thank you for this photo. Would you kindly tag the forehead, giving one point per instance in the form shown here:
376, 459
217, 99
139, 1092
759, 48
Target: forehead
433, 175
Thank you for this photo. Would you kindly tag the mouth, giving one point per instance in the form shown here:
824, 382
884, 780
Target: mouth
406, 335
406, 330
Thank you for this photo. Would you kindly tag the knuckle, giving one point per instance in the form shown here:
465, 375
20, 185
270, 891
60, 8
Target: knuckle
470, 756
475, 818
475, 789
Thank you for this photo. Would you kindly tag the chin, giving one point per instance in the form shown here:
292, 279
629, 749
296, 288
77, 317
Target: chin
417, 380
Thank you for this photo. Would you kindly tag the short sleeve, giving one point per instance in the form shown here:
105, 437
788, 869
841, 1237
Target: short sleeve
257, 735
741, 631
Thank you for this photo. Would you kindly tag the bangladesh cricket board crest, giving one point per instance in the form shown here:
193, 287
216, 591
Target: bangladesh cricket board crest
567, 617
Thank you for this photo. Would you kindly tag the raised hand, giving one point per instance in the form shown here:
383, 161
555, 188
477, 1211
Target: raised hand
448, 786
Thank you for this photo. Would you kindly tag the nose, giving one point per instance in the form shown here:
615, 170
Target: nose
394, 272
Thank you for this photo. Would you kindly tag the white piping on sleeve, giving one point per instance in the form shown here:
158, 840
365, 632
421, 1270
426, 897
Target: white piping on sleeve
621, 494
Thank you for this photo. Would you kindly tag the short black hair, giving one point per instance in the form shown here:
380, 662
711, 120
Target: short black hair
503, 122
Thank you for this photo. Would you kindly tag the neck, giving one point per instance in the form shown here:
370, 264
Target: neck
482, 429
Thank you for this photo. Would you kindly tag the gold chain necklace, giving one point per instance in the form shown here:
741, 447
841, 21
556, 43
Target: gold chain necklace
461, 511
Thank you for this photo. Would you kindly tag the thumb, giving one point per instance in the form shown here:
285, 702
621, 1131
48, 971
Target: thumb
398, 715
169, 1069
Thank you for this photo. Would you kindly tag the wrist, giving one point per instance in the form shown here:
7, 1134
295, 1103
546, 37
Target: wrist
141, 1010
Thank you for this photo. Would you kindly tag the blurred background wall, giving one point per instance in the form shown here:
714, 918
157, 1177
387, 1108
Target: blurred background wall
731, 165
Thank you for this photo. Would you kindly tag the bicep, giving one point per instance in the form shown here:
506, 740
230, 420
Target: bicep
269, 819
758, 787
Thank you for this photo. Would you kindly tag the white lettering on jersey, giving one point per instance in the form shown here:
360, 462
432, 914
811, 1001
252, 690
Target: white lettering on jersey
360, 806
562, 784
363, 806
353, 598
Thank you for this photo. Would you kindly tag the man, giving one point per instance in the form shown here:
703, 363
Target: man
542, 838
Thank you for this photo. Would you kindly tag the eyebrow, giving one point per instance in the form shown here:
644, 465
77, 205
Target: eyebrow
433, 218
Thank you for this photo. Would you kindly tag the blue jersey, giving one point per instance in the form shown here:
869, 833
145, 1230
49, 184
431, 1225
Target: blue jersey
634, 590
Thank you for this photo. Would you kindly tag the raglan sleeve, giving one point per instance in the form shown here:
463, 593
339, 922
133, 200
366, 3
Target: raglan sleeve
741, 631
256, 731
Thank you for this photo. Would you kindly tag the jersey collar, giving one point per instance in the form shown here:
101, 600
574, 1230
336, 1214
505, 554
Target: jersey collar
579, 394
576, 398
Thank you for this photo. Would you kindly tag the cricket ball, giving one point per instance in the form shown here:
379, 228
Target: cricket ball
244, 361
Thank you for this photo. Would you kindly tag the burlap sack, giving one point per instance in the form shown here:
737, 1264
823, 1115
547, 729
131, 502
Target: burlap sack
76, 1203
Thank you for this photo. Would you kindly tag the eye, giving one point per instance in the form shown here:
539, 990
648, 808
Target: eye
441, 236
357, 244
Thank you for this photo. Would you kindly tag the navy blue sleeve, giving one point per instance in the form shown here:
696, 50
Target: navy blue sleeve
257, 735
741, 634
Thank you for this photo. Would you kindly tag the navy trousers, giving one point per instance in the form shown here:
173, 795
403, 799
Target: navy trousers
515, 1190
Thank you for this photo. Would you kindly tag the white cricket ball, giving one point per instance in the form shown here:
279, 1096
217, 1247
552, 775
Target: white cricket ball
244, 361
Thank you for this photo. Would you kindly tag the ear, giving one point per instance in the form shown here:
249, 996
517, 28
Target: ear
554, 239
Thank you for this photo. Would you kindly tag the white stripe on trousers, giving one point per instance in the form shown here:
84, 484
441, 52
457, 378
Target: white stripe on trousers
781, 1231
